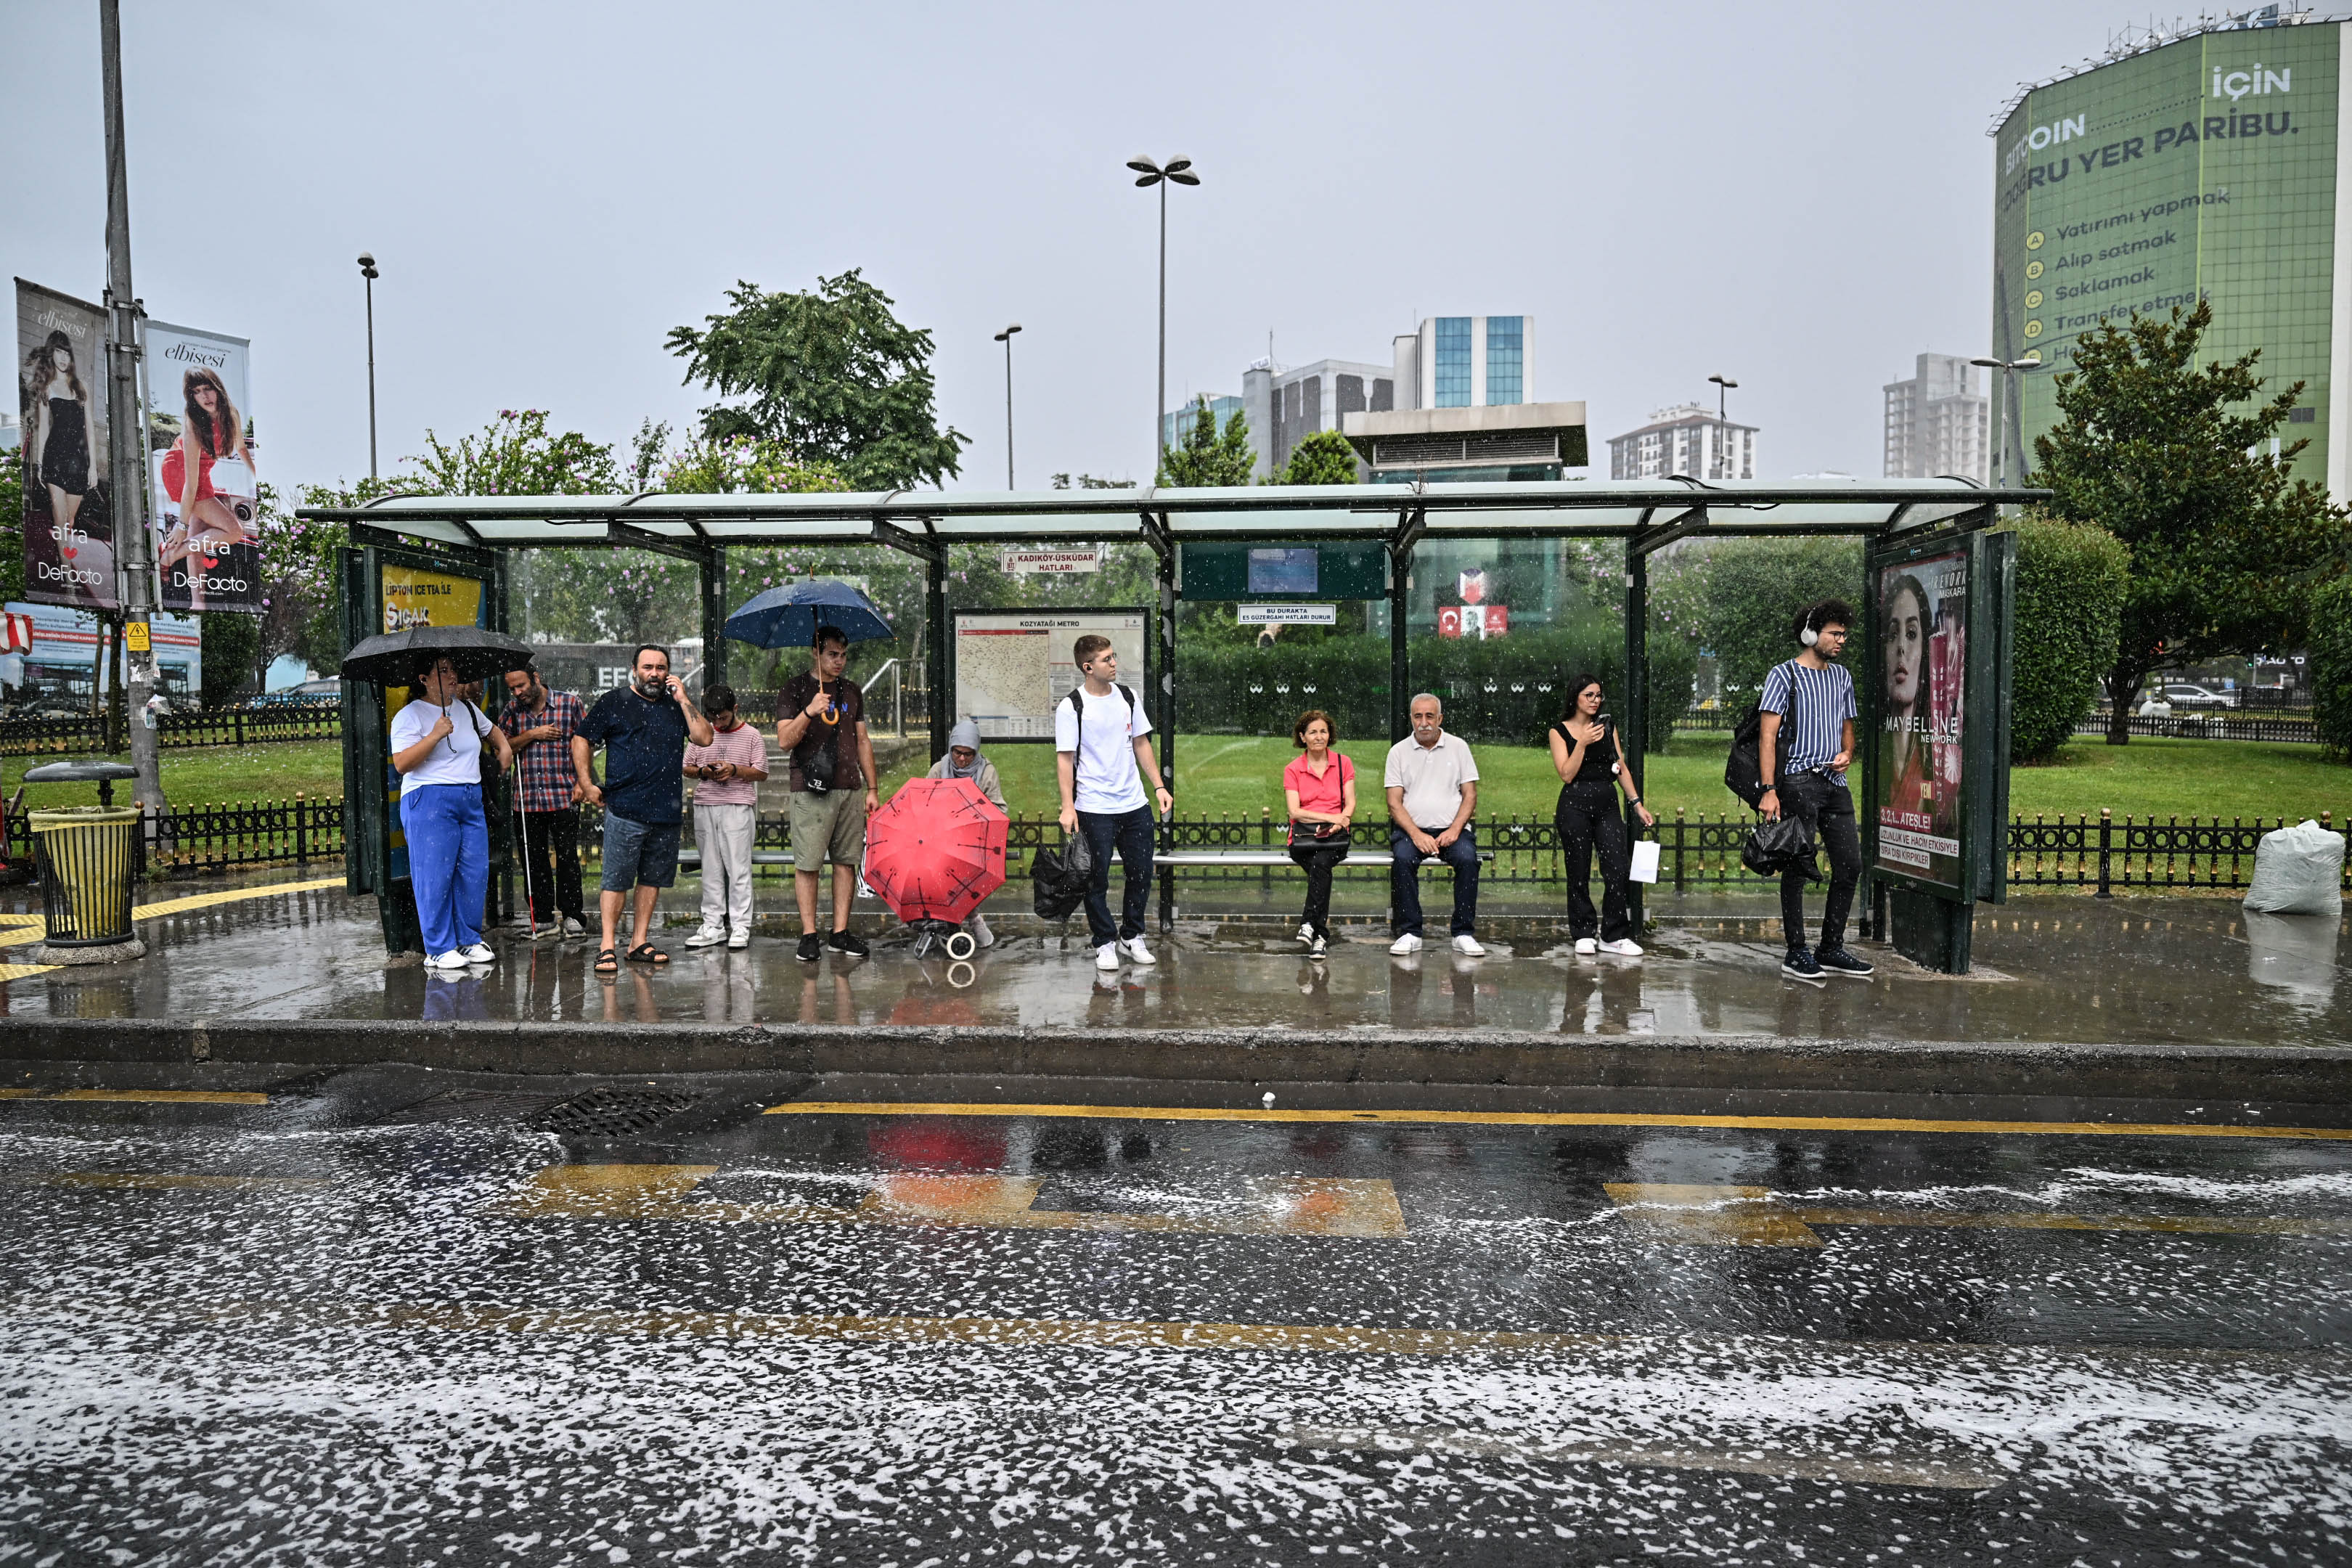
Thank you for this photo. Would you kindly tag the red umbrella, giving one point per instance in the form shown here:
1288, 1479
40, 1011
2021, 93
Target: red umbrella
936, 851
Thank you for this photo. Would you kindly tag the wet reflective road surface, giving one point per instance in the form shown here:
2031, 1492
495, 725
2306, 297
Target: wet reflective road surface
395, 1315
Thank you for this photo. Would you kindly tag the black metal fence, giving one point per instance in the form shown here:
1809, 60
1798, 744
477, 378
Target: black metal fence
2213, 724
215, 727
194, 840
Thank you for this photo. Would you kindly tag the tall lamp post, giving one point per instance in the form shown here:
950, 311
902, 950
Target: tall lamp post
2009, 412
1176, 171
1723, 385
1006, 337
367, 270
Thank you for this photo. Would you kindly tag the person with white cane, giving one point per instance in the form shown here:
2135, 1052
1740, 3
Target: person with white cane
539, 723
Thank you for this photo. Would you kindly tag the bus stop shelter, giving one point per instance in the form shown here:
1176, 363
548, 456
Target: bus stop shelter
409, 538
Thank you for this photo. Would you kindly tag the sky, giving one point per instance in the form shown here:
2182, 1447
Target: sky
1798, 197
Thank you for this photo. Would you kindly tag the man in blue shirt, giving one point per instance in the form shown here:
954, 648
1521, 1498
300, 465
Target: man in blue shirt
643, 728
1808, 712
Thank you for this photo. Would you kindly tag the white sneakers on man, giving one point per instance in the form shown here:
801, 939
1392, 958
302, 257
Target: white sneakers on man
1586, 947
1106, 956
1467, 945
1621, 948
706, 937
1306, 933
477, 953
452, 959
1133, 947
1407, 943
572, 930
739, 941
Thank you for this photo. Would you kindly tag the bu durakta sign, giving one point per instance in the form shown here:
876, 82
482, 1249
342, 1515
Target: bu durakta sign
1922, 673
201, 463
62, 399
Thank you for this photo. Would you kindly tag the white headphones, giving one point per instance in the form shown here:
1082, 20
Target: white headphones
1806, 634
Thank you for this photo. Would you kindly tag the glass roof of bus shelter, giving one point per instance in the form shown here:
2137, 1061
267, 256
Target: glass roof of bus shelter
1643, 510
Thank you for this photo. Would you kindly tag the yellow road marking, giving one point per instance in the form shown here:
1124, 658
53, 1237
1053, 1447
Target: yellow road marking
1269, 1205
19, 1093
231, 895
23, 970
1757, 1462
2170, 1224
154, 1181
1709, 1216
1559, 1119
166, 1096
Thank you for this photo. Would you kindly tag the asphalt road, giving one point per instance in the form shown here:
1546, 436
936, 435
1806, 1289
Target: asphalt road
390, 1315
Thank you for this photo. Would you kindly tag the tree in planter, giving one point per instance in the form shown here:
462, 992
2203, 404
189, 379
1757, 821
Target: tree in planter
2225, 546
2071, 578
1208, 456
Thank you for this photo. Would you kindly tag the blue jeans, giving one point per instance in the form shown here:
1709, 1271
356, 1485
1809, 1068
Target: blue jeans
1404, 883
1130, 831
448, 862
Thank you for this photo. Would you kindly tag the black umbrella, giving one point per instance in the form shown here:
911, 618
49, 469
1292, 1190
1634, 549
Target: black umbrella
394, 657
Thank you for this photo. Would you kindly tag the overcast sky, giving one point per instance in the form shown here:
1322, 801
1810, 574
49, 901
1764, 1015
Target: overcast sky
1796, 196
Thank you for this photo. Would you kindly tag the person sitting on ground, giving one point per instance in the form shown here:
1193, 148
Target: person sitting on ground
727, 774
833, 778
1591, 768
1432, 790
643, 728
439, 759
1807, 740
1102, 754
1319, 787
964, 761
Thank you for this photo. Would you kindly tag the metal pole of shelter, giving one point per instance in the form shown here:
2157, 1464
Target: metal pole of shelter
713, 567
935, 659
126, 442
1632, 731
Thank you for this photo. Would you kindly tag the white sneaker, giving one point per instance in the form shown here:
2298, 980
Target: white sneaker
477, 953
981, 935
1404, 944
1586, 947
1621, 948
1135, 949
706, 937
1106, 956
1306, 933
739, 941
452, 959
1467, 945
572, 930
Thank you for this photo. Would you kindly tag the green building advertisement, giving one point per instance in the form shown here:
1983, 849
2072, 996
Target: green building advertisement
2204, 168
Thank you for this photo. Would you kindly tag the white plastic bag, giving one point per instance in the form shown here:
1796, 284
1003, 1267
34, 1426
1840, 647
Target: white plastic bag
1646, 860
2299, 870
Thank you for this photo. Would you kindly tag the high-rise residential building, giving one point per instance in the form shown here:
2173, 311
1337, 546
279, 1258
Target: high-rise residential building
2204, 161
1687, 440
1938, 423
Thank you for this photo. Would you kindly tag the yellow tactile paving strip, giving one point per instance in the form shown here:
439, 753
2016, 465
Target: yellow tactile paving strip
19, 929
144, 1096
1681, 1216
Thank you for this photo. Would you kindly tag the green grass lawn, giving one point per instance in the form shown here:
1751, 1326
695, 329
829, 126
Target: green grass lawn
1220, 775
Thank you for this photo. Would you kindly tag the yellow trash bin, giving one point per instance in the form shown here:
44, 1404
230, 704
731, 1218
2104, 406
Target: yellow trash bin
84, 854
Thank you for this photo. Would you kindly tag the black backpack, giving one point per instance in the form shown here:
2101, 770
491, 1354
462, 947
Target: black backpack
1743, 770
1078, 705
1061, 876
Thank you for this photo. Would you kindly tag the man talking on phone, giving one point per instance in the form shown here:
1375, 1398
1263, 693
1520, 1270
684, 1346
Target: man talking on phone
821, 728
643, 728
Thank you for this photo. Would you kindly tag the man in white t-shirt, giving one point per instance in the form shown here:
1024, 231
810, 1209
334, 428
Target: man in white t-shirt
1102, 746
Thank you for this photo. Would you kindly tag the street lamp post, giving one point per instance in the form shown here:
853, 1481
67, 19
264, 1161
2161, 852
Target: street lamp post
1723, 385
1006, 337
367, 270
2009, 412
1176, 171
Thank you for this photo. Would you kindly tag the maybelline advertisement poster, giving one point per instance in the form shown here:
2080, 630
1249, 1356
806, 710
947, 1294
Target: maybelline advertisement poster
201, 463
61, 400
1923, 640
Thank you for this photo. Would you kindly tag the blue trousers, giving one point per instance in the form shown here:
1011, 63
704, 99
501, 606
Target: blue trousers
448, 862
1404, 883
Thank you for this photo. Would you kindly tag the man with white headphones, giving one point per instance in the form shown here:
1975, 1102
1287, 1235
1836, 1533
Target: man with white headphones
1808, 712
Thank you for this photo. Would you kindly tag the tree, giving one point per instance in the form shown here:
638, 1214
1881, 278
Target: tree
2071, 578
12, 527
1209, 456
2225, 546
831, 376
1738, 597
1322, 458
2331, 666
1088, 482
232, 642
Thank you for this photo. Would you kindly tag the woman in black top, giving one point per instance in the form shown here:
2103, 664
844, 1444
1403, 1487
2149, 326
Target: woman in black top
61, 431
1591, 768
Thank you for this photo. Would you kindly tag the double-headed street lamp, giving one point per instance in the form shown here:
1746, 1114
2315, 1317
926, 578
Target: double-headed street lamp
1177, 171
1006, 337
2010, 413
1723, 385
367, 270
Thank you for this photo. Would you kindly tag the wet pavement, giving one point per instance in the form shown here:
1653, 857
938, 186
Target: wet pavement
2198, 971
389, 1314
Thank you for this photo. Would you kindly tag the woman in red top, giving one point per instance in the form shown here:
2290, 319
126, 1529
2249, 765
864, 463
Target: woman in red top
219, 518
1319, 788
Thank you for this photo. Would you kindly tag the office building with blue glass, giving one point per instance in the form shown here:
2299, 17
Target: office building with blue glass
1467, 361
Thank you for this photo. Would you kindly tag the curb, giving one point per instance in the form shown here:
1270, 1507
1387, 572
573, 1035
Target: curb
2309, 1076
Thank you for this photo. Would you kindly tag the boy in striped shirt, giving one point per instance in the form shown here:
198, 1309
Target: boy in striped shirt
1808, 712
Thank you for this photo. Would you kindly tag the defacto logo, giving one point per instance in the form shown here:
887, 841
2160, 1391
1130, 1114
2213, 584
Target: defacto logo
2043, 136
2235, 85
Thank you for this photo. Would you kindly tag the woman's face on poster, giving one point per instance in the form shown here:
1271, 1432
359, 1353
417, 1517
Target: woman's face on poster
63, 359
1907, 646
207, 399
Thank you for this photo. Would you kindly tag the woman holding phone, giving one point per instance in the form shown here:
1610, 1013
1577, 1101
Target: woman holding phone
438, 755
1320, 789
1591, 768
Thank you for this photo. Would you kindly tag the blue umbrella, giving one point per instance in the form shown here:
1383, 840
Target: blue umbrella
789, 616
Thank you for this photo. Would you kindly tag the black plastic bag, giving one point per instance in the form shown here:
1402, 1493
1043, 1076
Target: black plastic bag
1776, 846
1061, 876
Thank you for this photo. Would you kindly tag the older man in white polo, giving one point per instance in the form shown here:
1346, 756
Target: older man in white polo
1432, 790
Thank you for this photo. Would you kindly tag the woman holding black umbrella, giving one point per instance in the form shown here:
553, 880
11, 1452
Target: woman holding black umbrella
437, 747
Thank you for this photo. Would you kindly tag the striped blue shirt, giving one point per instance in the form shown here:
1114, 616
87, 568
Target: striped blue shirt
1823, 700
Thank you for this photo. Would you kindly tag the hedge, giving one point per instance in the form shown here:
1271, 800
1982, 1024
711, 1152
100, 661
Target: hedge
2071, 581
2331, 666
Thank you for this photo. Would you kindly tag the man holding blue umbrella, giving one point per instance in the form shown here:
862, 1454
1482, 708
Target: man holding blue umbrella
834, 779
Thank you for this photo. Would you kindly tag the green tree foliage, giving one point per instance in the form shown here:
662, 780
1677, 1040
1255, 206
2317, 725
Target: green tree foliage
1088, 482
1735, 599
2331, 666
831, 374
2225, 546
1322, 458
1208, 456
232, 647
2071, 578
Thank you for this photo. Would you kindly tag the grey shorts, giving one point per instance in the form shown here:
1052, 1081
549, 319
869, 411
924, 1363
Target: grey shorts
638, 855
828, 826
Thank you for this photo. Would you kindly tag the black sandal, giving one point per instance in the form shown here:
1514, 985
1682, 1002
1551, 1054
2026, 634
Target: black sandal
646, 953
608, 961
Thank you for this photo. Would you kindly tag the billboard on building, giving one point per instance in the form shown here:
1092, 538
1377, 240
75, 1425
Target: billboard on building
62, 399
201, 463
2204, 168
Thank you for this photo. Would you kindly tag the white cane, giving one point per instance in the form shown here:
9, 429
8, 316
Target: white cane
522, 837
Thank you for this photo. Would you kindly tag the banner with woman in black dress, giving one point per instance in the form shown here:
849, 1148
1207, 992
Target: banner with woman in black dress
61, 399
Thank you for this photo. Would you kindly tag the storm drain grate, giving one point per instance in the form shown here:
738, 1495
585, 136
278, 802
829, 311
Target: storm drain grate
612, 1112
468, 1105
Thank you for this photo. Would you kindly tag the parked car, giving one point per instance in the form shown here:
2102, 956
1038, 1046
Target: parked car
327, 688
2185, 694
